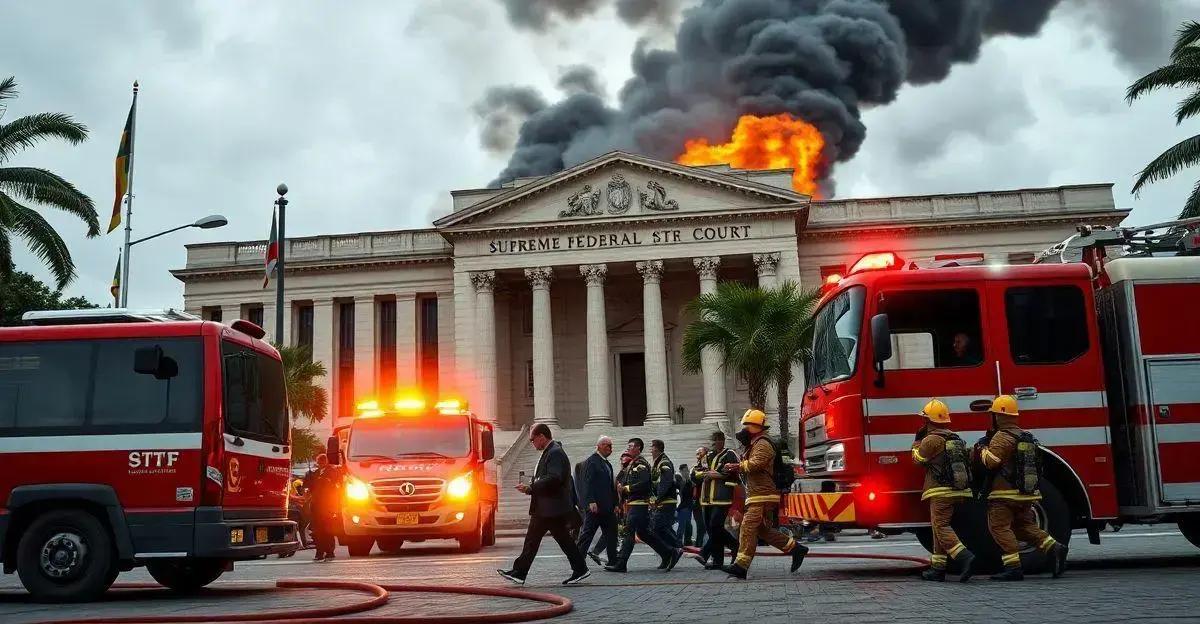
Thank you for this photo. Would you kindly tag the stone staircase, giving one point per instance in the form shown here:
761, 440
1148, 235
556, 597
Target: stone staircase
681, 442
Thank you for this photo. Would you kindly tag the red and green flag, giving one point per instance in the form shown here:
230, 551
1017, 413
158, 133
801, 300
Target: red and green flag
123, 165
272, 255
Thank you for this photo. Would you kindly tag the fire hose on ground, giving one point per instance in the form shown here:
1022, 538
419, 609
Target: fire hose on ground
379, 595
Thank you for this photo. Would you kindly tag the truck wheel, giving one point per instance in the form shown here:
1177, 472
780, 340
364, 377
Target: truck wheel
359, 546
185, 575
489, 532
1189, 525
390, 545
471, 542
1052, 514
66, 555
925, 536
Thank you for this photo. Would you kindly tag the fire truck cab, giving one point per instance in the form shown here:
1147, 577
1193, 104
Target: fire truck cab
1103, 359
139, 438
416, 472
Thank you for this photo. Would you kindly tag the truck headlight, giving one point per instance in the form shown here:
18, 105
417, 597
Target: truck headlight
835, 458
356, 490
459, 487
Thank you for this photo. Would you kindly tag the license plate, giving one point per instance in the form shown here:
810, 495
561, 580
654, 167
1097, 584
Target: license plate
260, 535
408, 519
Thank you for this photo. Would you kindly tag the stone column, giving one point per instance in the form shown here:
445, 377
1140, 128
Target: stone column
597, 346
269, 321
543, 346
289, 311
231, 313
365, 358
450, 377
710, 359
406, 343
767, 265
485, 343
655, 340
323, 340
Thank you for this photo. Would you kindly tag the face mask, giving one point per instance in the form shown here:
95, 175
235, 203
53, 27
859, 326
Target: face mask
743, 436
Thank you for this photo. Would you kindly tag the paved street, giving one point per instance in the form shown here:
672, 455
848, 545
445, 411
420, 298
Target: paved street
1143, 573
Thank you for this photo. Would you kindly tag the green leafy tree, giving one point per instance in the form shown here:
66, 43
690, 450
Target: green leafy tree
23, 293
306, 399
1182, 71
21, 185
758, 333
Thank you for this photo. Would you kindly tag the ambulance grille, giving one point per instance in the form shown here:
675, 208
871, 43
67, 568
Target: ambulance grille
408, 491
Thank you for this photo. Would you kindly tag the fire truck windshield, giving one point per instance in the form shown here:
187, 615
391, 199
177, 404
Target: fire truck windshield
836, 330
393, 436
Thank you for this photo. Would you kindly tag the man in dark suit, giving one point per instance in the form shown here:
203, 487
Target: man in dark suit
598, 498
551, 509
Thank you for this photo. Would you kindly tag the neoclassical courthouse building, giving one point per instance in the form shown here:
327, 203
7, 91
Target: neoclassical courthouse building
561, 299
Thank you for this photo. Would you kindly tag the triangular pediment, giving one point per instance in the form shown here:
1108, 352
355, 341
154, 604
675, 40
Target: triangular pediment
620, 186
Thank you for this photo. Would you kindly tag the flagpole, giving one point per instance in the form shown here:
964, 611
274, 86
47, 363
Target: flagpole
129, 202
282, 202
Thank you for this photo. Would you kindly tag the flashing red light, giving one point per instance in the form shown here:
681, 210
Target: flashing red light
832, 279
871, 496
878, 261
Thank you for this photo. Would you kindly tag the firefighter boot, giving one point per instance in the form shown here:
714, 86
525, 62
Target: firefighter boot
1059, 560
933, 574
798, 553
966, 565
735, 570
1010, 573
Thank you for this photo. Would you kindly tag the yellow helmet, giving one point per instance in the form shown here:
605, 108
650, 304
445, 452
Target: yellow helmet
936, 411
1004, 404
754, 417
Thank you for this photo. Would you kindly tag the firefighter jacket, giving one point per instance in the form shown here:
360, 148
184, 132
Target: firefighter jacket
997, 457
637, 482
662, 482
758, 472
715, 491
928, 452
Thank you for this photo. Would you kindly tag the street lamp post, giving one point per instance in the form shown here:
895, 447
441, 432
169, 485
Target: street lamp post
204, 223
282, 202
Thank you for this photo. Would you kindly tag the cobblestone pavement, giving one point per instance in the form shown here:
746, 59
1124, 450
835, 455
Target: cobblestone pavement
1141, 573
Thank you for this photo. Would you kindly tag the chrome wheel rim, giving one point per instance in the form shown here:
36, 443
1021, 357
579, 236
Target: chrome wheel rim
63, 555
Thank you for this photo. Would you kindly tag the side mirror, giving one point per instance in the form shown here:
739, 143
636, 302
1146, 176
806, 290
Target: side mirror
881, 338
151, 361
489, 445
332, 451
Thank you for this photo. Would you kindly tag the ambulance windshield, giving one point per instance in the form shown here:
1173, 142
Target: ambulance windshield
399, 437
835, 337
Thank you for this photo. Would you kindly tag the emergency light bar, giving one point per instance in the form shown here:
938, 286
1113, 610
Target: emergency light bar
877, 261
410, 405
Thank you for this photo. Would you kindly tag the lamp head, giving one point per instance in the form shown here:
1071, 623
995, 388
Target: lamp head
211, 221
281, 189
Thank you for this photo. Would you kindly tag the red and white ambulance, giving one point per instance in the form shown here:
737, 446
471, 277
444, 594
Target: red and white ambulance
139, 438
1102, 354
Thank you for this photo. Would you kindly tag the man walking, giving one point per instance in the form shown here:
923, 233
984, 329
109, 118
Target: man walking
694, 483
637, 490
947, 484
683, 513
326, 488
598, 498
550, 509
716, 496
664, 498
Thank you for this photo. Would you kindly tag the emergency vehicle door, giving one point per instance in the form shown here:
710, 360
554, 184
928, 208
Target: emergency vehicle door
1175, 414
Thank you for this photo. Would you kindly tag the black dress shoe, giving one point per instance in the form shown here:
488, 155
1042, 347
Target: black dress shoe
615, 567
674, 559
576, 577
798, 553
512, 576
595, 558
735, 570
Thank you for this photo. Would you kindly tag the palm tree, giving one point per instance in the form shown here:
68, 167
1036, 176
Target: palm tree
38, 186
1182, 71
305, 398
759, 333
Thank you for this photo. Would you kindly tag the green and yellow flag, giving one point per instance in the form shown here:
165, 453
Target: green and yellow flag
115, 289
124, 159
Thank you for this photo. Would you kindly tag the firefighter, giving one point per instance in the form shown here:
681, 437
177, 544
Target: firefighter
757, 470
947, 483
1009, 454
664, 498
716, 496
636, 489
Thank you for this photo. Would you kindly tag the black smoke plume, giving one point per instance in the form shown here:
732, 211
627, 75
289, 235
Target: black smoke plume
501, 113
819, 60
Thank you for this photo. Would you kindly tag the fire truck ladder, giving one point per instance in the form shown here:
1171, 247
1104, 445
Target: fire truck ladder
1180, 237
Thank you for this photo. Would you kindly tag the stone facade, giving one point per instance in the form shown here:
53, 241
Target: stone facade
562, 299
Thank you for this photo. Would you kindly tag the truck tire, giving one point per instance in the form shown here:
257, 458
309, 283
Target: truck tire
1189, 525
471, 542
489, 531
1053, 516
66, 555
185, 575
390, 545
359, 546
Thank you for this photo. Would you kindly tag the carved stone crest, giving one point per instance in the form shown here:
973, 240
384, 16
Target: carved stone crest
620, 195
656, 199
585, 203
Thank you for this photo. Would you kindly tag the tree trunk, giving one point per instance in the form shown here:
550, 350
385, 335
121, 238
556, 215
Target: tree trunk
757, 389
784, 379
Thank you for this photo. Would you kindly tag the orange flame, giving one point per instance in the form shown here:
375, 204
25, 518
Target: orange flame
775, 142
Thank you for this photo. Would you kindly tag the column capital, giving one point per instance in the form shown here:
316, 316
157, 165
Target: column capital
540, 277
483, 281
594, 274
364, 298
707, 266
651, 270
766, 263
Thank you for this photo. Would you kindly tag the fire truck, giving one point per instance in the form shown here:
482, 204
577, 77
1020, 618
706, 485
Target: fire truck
134, 438
1102, 353
416, 472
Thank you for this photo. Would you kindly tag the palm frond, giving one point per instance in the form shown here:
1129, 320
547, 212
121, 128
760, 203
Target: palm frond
1191, 207
1174, 75
25, 132
8, 88
1183, 154
39, 236
1186, 37
1188, 107
44, 187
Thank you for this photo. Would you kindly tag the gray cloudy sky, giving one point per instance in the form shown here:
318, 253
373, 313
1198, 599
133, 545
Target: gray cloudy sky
366, 110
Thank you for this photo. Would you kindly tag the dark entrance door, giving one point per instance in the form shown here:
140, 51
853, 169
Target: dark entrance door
633, 389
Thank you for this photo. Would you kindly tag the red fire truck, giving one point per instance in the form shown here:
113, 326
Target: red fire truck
416, 472
1102, 354
138, 438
